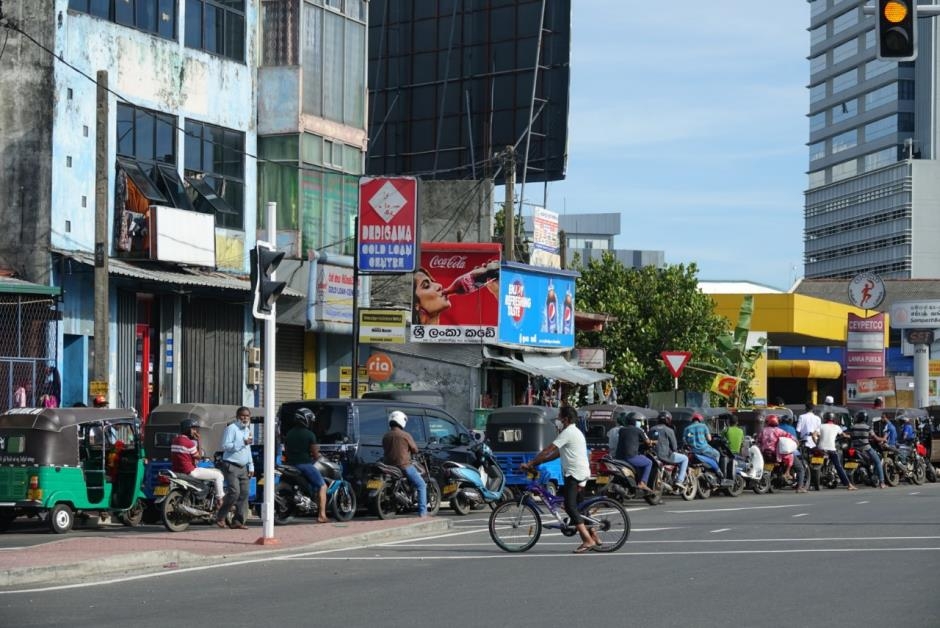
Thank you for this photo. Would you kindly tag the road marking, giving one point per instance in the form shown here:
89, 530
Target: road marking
720, 530
837, 539
914, 493
802, 514
864, 502
682, 512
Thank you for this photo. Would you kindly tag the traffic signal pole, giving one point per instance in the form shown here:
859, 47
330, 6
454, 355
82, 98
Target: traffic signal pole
270, 331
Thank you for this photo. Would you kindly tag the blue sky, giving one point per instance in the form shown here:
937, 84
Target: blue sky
692, 124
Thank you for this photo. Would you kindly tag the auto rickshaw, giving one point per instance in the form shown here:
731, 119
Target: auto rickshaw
516, 434
164, 424
63, 463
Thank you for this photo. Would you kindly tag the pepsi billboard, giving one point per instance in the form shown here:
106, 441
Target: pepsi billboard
536, 306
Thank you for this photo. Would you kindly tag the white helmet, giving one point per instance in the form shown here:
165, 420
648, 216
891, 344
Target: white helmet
397, 417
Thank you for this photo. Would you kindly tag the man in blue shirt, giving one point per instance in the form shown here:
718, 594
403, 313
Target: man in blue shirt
890, 432
237, 467
697, 436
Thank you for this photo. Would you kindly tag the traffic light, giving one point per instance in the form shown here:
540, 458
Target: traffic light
264, 261
896, 30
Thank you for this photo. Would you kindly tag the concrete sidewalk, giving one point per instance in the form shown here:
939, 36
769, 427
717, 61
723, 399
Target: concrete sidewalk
115, 552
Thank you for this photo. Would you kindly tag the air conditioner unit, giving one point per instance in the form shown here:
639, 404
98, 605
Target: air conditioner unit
254, 376
254, 356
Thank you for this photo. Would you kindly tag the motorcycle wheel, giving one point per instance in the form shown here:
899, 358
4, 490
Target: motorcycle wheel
384, 502
133, 516
655, 496
736, 489
283, 507
830, 479
930, 472
920, 473
762, 486
460, 505
507, 496
892, 477
344, 502
689, 489
174, 519
434, 497
704, 489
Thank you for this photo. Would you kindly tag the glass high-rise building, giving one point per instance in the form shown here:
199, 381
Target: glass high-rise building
873, 194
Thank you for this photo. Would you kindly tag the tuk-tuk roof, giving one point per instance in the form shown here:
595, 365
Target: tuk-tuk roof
56, 419
522, 414
601, 409
204, 414
894, 413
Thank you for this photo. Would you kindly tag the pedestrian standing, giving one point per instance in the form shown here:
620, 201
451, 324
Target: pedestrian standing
237, 467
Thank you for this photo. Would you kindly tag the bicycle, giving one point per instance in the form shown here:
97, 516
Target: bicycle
517, 525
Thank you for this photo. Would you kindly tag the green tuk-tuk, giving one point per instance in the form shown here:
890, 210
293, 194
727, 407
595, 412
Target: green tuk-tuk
59, 463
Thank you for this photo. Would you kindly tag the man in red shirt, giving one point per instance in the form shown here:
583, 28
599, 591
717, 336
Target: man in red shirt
185, 454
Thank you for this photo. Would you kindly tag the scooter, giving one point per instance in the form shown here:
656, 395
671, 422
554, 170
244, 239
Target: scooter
295, 496
469, 486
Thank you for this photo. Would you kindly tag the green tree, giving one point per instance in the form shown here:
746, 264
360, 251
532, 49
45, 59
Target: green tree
734, 357
656, 309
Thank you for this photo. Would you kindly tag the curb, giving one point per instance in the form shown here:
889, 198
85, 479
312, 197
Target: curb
129, 564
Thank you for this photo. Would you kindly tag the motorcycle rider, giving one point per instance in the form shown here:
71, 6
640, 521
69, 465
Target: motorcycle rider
399, 446
697, 436
629, 437
799, 463
667, 449
807, 426
908, 438
185, 453
301, 450
768, 439
861, 440
829, 432
734, 434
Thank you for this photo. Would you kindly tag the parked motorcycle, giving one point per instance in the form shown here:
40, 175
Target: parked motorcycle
183, 499
469, 486
391, 493
295, 496
623, 479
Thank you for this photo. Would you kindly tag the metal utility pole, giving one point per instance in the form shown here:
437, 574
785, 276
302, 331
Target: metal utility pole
270, 332
509, 227
102, 311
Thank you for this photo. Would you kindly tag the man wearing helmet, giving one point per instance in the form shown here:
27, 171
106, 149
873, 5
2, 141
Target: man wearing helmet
399, 446
697, 436
629, 437
571, 447
237, 467
667, 449
829, 432
769, 439
861, 440
185, 453
302, 450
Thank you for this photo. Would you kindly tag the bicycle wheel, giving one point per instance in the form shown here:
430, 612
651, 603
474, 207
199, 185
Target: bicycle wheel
608, 520
515, 527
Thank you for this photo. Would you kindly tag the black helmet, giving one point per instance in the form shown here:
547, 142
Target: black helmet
188, 424
861, 416
303, 417
664, 417
621, 418
633, 418
828, 416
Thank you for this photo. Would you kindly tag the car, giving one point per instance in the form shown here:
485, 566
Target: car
351, 431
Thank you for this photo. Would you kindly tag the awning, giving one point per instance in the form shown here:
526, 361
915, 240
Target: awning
9, 285
804, 369
180, 276
548, 366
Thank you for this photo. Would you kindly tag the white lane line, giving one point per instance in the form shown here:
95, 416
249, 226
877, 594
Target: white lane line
682, 512
802, 514
720, 530
632, 541
914, 493
863, 502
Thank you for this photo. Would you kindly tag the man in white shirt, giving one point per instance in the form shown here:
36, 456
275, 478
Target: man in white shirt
828, 433
571, 447
807, 426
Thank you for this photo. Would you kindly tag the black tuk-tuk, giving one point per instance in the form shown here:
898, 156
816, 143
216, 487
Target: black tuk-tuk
163, 425
516, 434
59, 463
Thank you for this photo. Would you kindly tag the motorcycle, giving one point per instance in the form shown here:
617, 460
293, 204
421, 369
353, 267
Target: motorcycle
821, 471
391, 493
183, 499
622, 481
907, 462
860, 468
708, 480
469, 486
295, 496
730, 468
663, 482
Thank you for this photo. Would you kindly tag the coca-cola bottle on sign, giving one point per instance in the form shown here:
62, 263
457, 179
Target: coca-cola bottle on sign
551, 308
474, 279
567, 313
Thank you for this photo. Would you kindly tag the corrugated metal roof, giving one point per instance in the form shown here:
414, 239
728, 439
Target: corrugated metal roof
464, 355
895, 290
9, 285
180, 276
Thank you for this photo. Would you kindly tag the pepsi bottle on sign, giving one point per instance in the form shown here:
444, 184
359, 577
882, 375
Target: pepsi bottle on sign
551, 309
567, 313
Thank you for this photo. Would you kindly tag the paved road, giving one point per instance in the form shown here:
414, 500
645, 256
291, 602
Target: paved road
835, 558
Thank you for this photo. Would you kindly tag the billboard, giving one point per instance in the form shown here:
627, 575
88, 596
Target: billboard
388, 214
454, 297
864, 355
536, 306
545, 246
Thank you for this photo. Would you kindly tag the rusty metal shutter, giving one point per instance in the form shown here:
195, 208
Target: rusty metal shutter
212, 355
289, 364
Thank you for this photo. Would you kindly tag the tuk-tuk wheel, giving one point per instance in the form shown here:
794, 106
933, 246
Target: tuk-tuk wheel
61, 518
133, 516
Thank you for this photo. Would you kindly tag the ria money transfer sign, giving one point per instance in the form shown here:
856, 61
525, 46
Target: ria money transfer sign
455, 292
388, 214
536, 306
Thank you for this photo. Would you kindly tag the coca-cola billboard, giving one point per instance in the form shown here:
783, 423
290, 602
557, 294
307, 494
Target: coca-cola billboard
455, 293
